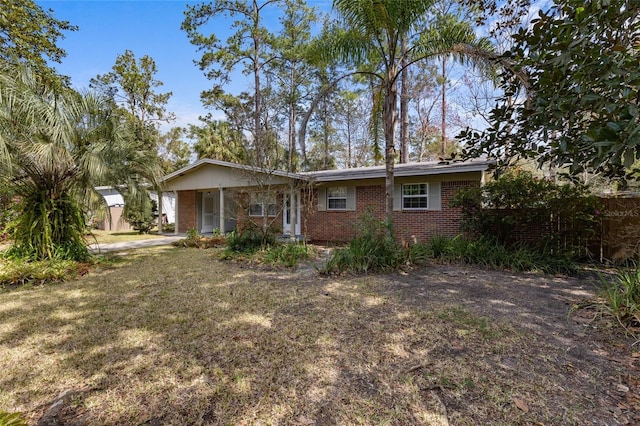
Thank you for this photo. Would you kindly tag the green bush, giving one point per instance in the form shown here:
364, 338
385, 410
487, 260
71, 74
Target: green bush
250, 239
140, 211
193, 234
491, 254
374, 248
288, 254
507, 208
622, 298
8, 211
48, 228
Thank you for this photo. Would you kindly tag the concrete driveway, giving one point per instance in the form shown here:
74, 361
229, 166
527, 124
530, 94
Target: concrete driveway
129, 245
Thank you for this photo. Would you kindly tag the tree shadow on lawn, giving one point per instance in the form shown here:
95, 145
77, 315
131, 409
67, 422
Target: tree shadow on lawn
179, 338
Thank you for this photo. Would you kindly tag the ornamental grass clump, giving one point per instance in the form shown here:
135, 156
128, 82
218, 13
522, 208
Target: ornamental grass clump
15, 272
621, 298
491, 254
374, 248
288, 254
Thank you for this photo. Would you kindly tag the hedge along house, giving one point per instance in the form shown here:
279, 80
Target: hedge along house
327, 204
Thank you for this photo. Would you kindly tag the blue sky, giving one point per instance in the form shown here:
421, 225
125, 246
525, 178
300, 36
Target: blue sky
108, 28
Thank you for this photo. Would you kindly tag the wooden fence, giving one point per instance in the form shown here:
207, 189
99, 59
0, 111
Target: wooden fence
618, 236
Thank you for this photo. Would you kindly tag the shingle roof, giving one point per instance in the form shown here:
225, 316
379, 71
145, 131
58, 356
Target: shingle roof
205, 161
400, 170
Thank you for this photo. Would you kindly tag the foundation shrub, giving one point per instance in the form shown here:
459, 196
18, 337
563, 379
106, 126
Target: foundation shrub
288, 254
374, 248
489, 253
250, 239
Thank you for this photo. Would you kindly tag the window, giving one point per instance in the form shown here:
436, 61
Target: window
337, 198
259, 202
415, 196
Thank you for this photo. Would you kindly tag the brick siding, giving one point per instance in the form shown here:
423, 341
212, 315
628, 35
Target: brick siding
187, 213
410, 226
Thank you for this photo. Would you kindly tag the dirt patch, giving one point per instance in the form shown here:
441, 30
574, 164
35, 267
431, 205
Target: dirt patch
578, 357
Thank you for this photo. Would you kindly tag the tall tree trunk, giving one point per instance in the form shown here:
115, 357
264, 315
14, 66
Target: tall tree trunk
443, 123
349, 135
404, 105
390, 115
292, 121
257, 114
325, 119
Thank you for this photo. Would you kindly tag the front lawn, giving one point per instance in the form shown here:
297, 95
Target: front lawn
173, 336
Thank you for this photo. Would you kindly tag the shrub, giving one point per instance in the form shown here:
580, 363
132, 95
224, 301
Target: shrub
507, 208
8, 212
193, 234
48, 228
374, 248
250, 239
489, 253
18, 272
140, 211
194, 239
288, 254
622, 298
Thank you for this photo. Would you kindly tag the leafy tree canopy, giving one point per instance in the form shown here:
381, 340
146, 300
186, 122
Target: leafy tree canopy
132, 85
579, 105
29, 34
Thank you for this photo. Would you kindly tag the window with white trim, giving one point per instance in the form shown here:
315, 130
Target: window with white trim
415, 196
337, 198
259, 202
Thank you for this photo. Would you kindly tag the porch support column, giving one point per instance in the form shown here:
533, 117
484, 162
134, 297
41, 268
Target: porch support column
222, 229
299, 210
292, 213
160, 218
175, 204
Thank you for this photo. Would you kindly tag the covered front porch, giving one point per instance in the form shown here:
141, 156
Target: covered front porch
215, 196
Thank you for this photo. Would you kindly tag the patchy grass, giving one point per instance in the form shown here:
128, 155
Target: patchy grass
174, 336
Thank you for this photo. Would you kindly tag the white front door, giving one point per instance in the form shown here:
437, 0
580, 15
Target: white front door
286, 217
208, 213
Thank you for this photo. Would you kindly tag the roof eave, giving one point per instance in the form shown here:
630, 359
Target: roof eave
345, 175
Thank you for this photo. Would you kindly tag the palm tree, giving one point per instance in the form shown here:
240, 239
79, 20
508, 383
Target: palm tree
55, 147
217, 139
375, 32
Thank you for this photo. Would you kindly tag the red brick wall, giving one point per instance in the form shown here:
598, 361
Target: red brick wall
187, 214
409, 225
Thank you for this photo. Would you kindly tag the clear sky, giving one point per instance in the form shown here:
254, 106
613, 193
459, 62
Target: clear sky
152, 27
